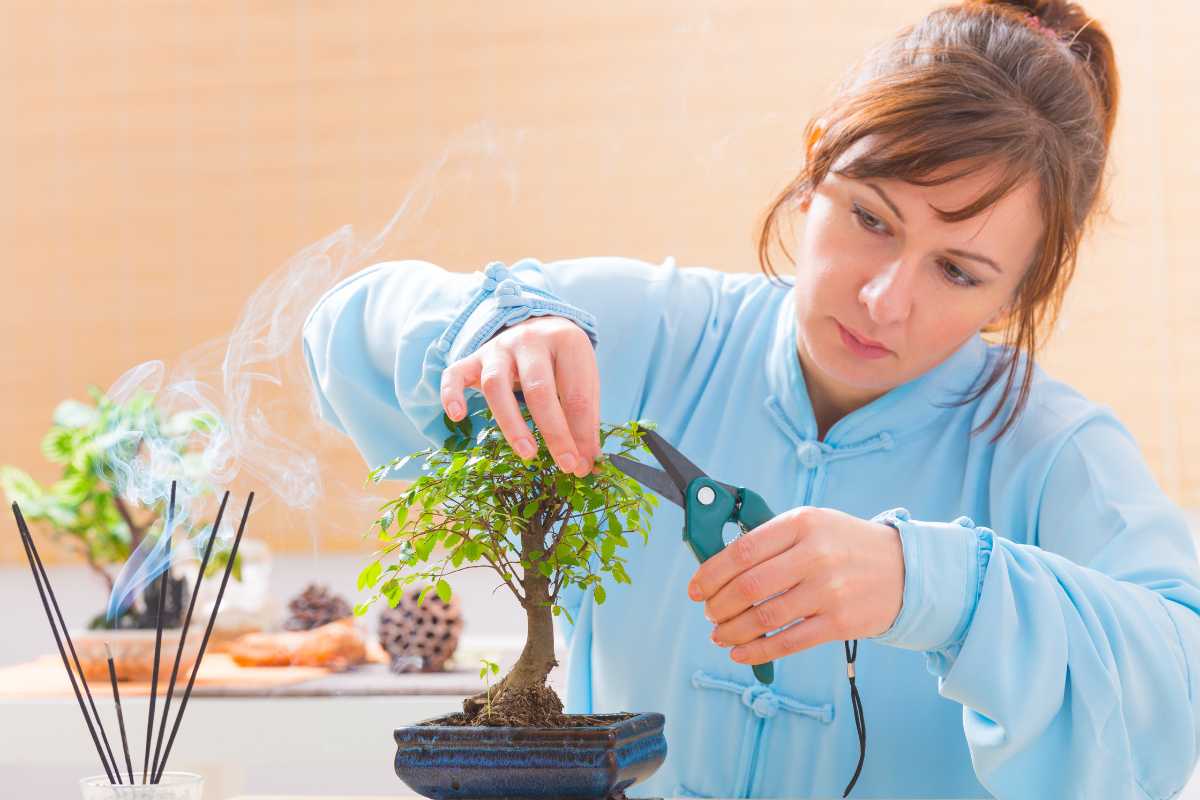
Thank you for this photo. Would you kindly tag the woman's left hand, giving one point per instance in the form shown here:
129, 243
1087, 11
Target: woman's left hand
841, 576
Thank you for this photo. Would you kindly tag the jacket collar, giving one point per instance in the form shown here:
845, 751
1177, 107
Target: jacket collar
903, 409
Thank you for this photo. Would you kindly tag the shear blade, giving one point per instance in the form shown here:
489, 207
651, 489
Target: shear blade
648, 476
682, 470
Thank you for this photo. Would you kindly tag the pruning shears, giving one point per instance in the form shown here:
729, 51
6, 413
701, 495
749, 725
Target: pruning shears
708, 504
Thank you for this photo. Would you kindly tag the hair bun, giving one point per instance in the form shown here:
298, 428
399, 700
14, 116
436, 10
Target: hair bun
1086, 39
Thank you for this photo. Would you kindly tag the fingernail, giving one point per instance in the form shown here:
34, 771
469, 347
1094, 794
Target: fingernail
693, 591
715, 640
566, 462
455, 409
525, 448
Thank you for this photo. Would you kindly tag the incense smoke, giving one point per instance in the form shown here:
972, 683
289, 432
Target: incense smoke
252, 387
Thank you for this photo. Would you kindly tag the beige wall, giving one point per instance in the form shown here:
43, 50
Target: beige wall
161, 159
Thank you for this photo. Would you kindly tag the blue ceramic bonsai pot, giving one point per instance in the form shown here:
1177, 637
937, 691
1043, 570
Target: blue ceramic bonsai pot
447, 762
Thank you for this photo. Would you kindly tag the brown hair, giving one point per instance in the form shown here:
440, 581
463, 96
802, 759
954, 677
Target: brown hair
1030, 87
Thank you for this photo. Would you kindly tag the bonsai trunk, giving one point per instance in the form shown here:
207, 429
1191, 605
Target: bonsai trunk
528, 675
537, 657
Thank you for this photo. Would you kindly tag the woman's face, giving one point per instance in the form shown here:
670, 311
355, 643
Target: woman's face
877, 263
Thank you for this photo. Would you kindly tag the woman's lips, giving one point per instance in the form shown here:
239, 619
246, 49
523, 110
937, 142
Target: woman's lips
856, 346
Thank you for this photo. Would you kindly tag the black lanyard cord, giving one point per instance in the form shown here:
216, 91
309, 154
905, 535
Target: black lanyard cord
860, 719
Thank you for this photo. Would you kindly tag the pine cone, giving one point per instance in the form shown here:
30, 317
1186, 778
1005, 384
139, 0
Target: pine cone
314, 607
420, 637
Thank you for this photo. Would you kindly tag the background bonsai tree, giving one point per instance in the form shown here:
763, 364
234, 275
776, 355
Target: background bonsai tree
539, 529
95, 444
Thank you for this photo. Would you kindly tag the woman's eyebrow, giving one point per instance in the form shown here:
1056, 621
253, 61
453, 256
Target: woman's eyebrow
883, 196
976, 257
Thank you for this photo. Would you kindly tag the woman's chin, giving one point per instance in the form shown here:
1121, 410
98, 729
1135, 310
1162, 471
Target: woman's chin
854, 372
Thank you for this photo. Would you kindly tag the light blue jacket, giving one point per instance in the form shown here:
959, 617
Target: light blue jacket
1048, 641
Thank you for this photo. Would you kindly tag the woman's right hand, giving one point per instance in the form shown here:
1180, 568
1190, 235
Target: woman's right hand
550, 360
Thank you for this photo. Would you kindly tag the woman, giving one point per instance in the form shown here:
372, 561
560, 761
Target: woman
1024, 593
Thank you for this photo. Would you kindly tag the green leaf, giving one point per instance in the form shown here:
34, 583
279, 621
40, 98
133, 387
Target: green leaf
472, 549
58, 445
370, 575
425, 544
563, 485
393, 591
598, 594
607, 548
19, 487
443, 590
400, 463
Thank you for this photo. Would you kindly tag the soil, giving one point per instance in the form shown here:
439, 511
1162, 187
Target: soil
537, 707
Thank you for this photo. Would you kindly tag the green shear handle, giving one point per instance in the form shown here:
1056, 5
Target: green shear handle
709, 506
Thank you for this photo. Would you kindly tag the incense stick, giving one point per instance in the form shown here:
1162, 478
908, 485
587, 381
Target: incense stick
187, 693
34, 562
162, 593
112, 676
187, 621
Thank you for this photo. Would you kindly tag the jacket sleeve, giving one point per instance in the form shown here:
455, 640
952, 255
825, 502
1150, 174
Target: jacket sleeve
1075, 658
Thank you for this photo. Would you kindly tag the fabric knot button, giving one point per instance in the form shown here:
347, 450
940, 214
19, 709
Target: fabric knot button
508, 287
761, 700
892, 517
496, 271
443, 345
809, 454
966, 522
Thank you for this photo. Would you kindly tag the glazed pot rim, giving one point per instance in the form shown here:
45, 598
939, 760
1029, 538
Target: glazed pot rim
642, 723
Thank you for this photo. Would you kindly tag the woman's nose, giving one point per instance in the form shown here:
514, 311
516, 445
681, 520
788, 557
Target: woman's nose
888, 293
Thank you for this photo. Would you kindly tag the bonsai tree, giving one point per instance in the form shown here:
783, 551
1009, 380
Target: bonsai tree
539, 529
94, 444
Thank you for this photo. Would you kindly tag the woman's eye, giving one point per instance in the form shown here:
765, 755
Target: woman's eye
868, 220
956, 275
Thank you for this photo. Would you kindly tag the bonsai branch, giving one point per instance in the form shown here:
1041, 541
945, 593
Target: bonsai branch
503, 576
136, 532
89, 557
